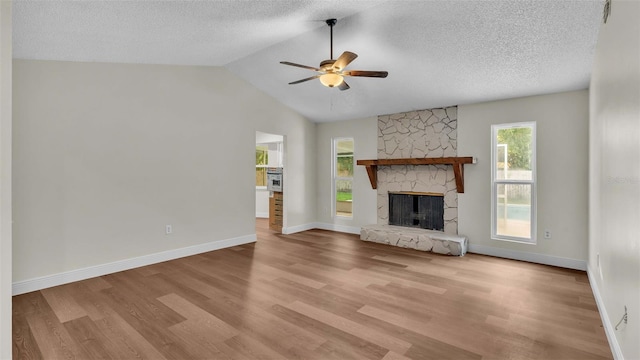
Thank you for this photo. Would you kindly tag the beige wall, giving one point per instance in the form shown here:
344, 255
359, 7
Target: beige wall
614, 209
5, 180
562, 170
365, 136
106, 154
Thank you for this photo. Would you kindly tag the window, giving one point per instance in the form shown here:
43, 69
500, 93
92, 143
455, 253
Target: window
262, 161
513, 176
343, 176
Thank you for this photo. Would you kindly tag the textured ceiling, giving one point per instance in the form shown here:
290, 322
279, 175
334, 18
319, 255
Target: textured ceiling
437, 53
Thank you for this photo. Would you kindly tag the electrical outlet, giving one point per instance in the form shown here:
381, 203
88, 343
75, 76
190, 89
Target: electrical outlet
547, 234
168, 229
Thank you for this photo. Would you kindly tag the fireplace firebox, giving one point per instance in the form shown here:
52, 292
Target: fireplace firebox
417, 209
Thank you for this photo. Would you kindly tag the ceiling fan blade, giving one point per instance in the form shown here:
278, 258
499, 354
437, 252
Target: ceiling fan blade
300, 66
344, 86
345, 59
303, 80
380, 74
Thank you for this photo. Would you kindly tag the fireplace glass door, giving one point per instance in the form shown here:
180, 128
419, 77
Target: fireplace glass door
416, 210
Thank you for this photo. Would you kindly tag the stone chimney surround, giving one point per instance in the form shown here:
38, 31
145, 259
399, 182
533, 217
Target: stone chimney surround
418, 134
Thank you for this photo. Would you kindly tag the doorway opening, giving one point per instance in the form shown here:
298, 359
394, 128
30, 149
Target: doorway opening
269, 203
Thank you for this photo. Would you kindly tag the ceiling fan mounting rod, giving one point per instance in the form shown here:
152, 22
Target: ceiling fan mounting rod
331, 22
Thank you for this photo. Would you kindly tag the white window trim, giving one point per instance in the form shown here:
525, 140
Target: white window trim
335, 178
495, 182
280, 150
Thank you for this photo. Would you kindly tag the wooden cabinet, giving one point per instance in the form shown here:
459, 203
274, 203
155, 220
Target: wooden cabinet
275, 212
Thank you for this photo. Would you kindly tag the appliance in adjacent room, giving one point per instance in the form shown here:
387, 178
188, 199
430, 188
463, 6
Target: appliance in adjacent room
274, 179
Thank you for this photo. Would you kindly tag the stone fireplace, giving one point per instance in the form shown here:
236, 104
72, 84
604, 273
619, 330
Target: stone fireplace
417, 134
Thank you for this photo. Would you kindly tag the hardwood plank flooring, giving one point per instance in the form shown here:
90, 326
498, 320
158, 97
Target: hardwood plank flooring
316, 295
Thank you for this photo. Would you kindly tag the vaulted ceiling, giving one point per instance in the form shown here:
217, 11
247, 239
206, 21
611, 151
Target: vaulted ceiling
438, 53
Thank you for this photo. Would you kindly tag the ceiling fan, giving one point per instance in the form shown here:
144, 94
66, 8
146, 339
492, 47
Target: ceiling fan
331, 72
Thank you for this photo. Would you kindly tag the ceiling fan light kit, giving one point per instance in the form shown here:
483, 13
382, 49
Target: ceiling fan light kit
331, 79
331, 71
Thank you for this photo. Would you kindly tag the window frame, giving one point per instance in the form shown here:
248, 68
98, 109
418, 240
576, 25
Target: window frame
496, 182
335, 178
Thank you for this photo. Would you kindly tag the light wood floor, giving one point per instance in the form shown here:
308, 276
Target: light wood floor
316, 295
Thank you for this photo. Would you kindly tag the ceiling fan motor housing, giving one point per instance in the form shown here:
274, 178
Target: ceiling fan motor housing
326, 65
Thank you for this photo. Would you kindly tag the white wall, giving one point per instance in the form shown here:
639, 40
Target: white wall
365, 136
267, 138
262, 203
562, 170
614, 208
5, 180
106, 154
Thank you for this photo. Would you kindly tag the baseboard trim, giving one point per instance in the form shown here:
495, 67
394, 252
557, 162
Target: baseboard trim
530, 257
298, 228
322, 226
44, 282
262, 215
339, 228
608, 326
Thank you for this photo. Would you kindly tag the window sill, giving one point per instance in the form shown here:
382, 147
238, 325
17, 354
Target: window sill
346, 217
515, 240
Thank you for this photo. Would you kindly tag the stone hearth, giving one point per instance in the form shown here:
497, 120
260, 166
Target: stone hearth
418, 239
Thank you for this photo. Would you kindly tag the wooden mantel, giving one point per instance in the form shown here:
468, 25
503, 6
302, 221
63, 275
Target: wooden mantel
456, 162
